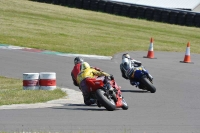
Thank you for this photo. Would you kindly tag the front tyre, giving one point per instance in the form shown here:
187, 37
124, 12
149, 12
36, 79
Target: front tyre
124, 104
108, 103
149, 86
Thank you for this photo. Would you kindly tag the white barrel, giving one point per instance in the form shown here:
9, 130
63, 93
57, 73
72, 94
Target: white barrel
47, 80
31, 81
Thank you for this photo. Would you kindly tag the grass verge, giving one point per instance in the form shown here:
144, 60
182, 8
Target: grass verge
11, 92
70, 30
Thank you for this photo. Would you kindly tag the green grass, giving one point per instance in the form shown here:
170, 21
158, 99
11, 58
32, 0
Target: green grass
70, 30
11, 92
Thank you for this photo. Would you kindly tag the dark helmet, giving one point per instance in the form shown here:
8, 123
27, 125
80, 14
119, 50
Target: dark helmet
126, 56
78, 60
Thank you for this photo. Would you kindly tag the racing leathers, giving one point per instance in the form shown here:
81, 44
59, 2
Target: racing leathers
127, 68
76, 70
81, 78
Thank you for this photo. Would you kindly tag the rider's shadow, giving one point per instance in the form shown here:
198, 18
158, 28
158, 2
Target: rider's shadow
135, 91
81, 107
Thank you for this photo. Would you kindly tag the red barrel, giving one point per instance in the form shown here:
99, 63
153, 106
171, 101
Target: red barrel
47, 80
31, 81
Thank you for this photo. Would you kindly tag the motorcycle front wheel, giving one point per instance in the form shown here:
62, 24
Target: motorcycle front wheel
108, 103
124, 104
150, 87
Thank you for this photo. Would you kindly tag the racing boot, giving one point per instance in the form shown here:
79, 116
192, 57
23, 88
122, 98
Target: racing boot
134, 83
98, 104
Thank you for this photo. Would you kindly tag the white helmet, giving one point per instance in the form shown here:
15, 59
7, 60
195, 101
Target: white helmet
126, 55
125, 60
84, 66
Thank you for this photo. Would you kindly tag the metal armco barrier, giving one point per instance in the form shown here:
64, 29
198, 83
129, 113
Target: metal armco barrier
165, 15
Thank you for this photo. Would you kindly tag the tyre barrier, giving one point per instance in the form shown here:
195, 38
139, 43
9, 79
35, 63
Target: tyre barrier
117, 8
56, 2
49, 1
166, 15
173, 17
190, 19
70, 3
109, 7
157, 15
63, 2
181, 18
31, 81
133, 11
149, 13
125, 10
47, 81
86, 4
78, 3
94, 5
141, 12
102, 6
197, 20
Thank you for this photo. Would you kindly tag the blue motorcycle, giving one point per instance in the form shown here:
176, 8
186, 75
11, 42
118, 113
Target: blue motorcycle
142, 79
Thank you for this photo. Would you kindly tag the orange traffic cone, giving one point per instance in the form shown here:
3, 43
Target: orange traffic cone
150, 53
187, 55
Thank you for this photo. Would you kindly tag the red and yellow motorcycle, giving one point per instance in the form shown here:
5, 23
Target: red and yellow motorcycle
106, 92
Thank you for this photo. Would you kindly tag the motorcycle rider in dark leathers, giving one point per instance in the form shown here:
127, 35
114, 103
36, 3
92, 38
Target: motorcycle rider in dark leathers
128, 66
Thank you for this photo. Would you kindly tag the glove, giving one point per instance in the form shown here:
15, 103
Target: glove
138, 63
111, 77
106, 74
98, 69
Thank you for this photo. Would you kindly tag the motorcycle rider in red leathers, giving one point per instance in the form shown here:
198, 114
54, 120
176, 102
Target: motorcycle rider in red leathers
77, 68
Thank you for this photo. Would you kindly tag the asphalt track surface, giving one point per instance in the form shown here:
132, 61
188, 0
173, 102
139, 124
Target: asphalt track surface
174, 108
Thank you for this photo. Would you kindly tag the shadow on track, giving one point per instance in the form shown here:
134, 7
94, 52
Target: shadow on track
135, 91
81, 107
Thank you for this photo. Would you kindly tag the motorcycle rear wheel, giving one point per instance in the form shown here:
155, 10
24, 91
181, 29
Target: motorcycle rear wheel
109, 104
150, 87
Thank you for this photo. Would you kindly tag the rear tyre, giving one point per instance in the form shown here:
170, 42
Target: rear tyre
148, 85
109, 104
